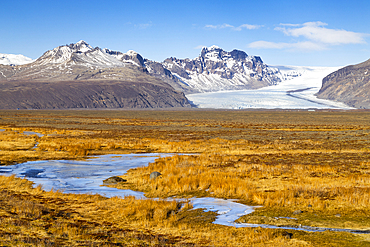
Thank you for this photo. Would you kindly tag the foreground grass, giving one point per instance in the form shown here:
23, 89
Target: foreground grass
31, 216
317, 163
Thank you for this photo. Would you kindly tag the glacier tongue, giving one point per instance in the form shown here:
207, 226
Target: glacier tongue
297, 91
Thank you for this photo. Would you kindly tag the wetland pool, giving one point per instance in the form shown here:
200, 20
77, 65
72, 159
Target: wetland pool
86, 177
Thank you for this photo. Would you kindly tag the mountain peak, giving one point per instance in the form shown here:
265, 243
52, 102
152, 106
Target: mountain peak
80, 46
81, 42
79, 53
132, 53
211, 48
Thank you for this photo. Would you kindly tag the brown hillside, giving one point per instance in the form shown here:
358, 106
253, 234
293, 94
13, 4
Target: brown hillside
350, 85
88, 94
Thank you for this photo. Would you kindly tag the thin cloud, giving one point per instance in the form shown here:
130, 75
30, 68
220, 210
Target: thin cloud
317, 32
199, 47
316, 36
247, 26
289, 24
238, 28
219, 26
144, 25
298, 46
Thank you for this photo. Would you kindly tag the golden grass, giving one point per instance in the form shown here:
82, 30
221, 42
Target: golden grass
324, 187
35, 217
286, 161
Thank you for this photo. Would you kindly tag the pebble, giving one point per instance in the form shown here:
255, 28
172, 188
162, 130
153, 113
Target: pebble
298, 212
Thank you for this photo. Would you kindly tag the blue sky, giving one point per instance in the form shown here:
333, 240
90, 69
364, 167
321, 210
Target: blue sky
316, 33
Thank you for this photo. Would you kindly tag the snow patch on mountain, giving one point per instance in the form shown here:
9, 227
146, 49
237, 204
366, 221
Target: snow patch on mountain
12, 59
80, 53
81, 46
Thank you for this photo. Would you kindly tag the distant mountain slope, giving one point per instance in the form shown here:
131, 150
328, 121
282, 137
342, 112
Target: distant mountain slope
12, 59
79, 76
350, 85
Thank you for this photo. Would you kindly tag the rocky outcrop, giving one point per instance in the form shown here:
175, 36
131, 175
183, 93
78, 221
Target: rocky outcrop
130, 56
113, 180
154, 175
350, 85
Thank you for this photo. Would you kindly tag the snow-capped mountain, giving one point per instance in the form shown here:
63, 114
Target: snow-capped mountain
219, 70
80, 76
80, 53
12, 59
214, 70
70, 62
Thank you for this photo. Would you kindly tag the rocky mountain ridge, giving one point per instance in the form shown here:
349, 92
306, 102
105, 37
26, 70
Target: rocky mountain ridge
80, 67
350, 85
214, 70
219, 70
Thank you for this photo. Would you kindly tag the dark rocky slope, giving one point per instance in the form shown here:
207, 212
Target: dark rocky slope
88, 94
350, 85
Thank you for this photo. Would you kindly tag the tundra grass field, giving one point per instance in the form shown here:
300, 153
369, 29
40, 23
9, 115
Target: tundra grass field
303, 168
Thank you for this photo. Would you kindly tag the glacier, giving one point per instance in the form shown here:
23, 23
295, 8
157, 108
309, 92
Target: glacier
296, 91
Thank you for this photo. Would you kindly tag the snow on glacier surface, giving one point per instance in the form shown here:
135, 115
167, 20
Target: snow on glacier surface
296, 92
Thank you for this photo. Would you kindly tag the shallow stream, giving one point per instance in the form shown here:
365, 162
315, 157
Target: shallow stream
83, 177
